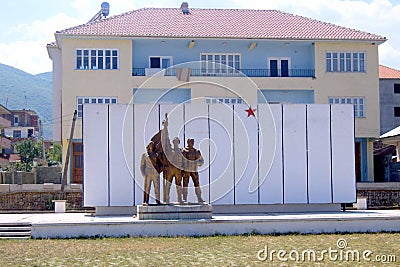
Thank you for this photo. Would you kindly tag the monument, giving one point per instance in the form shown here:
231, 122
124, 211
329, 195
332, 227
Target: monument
172, 162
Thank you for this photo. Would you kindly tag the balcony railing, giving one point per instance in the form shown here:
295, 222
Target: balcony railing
236, 73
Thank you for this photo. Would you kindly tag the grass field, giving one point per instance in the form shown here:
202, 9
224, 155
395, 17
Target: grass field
206, 251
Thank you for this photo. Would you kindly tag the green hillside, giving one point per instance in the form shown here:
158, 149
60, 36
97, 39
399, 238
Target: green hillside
21, 90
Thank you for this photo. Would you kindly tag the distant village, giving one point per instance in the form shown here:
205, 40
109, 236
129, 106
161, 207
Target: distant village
22, 144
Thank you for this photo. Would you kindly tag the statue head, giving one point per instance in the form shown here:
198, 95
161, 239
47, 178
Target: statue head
150, 146
176, 142
190, 142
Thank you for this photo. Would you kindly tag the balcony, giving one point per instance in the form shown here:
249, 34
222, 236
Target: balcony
297, 73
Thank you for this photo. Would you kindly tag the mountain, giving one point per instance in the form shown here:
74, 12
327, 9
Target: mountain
21, 90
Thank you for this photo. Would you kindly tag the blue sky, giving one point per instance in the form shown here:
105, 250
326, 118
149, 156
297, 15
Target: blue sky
26, 26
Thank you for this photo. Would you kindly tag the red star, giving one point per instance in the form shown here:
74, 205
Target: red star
250, 112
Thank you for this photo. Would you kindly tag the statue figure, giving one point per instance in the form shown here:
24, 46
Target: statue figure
193, 159
174, 169
150, 173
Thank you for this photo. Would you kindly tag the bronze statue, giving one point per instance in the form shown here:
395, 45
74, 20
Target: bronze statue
174, 162
174, 169
193, 159
150, 173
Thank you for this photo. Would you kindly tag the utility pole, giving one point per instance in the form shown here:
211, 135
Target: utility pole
71, 136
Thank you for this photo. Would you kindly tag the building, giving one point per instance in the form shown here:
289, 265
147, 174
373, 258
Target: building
289, 58
389, 95
5, 143
24, 124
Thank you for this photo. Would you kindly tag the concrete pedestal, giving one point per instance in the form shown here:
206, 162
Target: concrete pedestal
175, 212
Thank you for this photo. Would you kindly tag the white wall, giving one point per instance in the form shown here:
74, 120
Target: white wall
24, 131
286, 154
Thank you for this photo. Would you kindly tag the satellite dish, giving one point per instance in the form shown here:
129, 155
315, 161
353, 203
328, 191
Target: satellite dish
105, 9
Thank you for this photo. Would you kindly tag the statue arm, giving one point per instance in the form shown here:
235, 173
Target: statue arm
200, 160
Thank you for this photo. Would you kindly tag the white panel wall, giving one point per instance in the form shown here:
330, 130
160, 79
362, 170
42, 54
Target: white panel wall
246, 156
319, 154
121, 155
196, 127
271, 175
175, 129
304, 157
221, 166
146, 121
294, 154
95, 145
343, 162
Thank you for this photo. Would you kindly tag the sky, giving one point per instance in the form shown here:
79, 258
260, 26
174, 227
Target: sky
26, 26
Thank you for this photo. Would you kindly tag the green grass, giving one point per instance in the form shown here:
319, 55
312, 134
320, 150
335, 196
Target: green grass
191, 251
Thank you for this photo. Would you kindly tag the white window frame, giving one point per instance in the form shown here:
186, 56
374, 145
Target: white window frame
161, 58
345, 61
279, 59
81, 100
220, 63
223, 100
92, 60
358, 103
16, 120
14, 135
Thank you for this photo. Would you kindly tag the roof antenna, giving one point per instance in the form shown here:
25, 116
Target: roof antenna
103, 13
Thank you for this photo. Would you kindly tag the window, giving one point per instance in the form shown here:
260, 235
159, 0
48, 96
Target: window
80, 100
93, 59
16, 120
220, 64
17, 134
358, 103
396, 88
224, 100
397, 111
345, 61
160, 62
279, 67
30, 132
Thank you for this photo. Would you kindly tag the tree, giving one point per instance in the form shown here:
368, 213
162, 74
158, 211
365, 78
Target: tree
55, 153
28, 151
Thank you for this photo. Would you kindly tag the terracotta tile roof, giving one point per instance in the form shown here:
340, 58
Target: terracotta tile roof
388, 73
217, 23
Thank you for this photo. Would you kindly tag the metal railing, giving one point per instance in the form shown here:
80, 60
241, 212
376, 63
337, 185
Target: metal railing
298, 73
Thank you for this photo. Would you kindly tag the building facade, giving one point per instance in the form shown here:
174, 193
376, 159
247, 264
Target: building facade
389, 95
24, 124
215, 56
5, 143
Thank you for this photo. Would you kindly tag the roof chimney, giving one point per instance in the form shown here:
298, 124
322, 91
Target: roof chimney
185, 8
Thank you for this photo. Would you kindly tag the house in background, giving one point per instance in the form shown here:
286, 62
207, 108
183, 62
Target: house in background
389, 95
24, 124
386, 149
5, 143
290, 59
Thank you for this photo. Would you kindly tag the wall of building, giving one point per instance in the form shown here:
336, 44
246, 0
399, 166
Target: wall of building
300, 53
75, 82
24, 131
388, 100
351, 84
55, 55
120, 83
